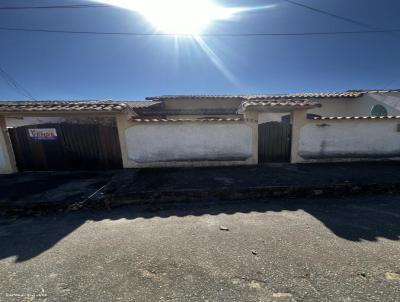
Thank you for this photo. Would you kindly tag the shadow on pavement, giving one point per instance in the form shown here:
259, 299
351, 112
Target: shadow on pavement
360, 218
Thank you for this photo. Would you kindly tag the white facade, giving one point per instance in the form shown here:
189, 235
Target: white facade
189, 141
159, 140
358, 106
347, 139
32, 120
6, 161
3, 158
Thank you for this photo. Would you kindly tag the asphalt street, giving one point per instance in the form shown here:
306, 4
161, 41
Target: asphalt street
343, 249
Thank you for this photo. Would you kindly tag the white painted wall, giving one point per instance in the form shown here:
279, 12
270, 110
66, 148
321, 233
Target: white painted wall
336, 107
32, 120
3, 158
6, 165
349, 139
358, 106
391, 101
189, 141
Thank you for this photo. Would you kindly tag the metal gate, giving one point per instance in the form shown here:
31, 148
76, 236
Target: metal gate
49, 147
274, 141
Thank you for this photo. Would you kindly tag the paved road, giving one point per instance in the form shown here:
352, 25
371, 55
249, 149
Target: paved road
299, 250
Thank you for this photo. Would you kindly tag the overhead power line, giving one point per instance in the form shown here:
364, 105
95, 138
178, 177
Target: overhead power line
326, 13
14, 84
74, 6
53, 6
42, 30
371, 28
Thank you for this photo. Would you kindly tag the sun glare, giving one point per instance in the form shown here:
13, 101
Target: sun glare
184, 17
188, 19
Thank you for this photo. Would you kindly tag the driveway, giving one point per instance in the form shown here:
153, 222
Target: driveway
282, 250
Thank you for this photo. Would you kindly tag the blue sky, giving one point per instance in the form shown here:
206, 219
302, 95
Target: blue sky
64, 66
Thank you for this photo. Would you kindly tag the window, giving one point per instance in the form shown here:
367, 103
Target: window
378, 110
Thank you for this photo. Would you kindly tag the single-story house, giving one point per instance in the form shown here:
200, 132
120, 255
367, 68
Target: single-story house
200, 130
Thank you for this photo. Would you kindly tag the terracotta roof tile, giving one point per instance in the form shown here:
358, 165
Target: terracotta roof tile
282, 103
335, 95
162, 120
388, 117
43, 106
375, 90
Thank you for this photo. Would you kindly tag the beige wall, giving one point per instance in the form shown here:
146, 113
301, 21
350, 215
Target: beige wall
330, 140
193, 104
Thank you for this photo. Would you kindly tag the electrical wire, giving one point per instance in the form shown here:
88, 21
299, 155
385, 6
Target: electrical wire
14, 84
54, 6
371, 29
326, 13
203, 35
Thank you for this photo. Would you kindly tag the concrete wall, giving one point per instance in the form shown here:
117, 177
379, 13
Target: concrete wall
349, 139
188, 141
32, 120
19, 121
3, 156
7, 160
182, 104
391, 101
359, 106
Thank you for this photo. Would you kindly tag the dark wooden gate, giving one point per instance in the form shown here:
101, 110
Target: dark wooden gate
274, 141
75, 147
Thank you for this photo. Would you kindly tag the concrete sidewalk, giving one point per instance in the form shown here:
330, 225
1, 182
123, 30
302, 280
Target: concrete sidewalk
31, 192
244, 182
46, 191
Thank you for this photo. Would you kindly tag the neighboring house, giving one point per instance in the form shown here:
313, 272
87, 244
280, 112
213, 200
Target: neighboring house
201, 130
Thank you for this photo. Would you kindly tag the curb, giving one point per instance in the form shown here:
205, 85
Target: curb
110, 199
256, 193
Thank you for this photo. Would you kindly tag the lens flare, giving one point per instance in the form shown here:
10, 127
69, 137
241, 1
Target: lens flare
188, 19
180, 17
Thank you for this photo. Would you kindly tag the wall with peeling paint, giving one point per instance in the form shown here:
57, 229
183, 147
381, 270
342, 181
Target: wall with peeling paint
189, 142
349, 139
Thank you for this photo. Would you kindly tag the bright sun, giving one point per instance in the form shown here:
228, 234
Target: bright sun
190, 17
